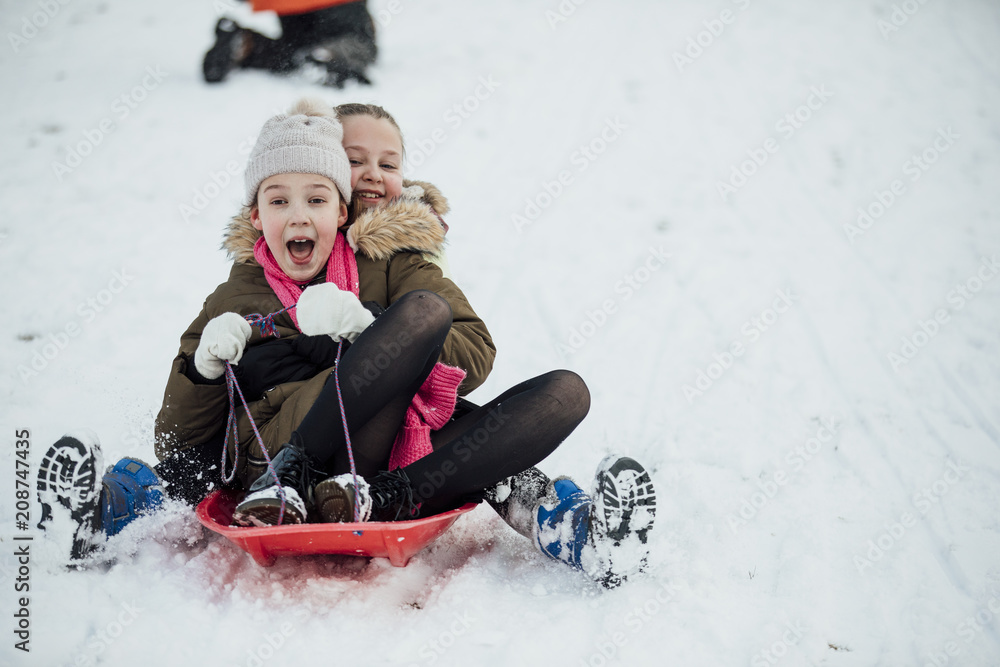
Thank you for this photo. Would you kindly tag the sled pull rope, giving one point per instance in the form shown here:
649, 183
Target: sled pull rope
231, 384
267, 328
266, 322
347, 433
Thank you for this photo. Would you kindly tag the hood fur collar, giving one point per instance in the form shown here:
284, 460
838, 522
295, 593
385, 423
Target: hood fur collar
411, 223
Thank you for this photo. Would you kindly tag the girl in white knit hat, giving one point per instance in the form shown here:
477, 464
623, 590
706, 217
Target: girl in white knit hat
366, 339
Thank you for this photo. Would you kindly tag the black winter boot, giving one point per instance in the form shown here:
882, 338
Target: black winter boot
392, 496
388, 497
262, 506
224, 56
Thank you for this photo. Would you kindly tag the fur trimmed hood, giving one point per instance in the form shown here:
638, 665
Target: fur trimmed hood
411, 223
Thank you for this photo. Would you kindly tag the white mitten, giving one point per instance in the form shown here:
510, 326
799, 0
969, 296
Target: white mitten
327, 309
223, 339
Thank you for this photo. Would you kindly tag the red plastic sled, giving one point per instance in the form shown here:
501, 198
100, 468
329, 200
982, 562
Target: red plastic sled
397, 540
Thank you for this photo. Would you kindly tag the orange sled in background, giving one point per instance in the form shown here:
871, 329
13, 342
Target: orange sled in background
396, 540
285, 7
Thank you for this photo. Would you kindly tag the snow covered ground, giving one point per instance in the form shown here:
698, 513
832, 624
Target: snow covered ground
762, 230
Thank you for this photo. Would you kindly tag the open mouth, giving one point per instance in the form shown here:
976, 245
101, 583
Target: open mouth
300, 250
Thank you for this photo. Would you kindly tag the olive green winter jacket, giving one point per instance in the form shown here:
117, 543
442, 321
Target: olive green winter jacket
395, 246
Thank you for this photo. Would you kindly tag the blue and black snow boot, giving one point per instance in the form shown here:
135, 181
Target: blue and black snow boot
67, 479
130, 489
605, 534
563, 521
624, 500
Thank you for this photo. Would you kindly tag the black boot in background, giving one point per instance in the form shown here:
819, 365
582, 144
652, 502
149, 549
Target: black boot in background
223, 57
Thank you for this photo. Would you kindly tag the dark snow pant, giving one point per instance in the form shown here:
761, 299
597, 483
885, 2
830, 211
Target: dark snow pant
473, 452
346, 31
190, 474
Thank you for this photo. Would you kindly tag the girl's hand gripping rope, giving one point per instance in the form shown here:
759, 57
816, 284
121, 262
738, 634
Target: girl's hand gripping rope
224, 339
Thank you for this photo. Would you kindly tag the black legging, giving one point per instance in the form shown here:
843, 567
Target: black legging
502, 438
350, 23
506, 437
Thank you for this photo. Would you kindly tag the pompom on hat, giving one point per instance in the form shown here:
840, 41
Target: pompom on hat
306, 140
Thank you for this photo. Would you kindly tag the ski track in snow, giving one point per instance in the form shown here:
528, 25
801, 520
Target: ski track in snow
821, 570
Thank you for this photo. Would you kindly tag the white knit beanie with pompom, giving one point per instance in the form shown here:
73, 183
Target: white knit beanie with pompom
306, 140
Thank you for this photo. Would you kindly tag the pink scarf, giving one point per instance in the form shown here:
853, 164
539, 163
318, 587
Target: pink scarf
434, 403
